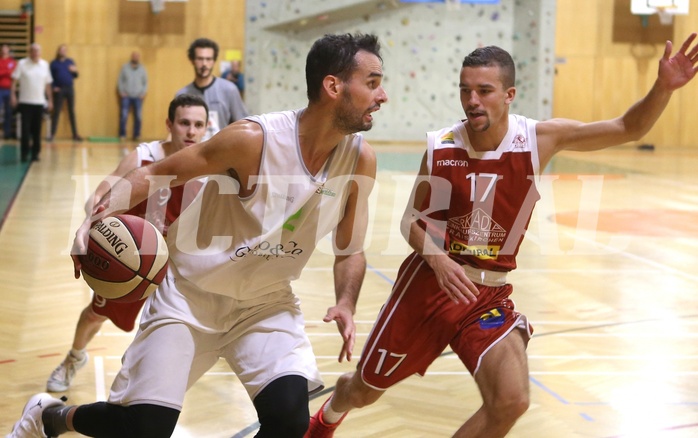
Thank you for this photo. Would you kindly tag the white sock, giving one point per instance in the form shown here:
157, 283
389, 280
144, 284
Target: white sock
78, 354
329, 415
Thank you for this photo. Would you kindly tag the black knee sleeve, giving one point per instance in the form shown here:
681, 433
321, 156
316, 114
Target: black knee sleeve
105, 420
282, 408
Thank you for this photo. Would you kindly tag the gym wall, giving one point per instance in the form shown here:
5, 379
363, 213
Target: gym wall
585, 60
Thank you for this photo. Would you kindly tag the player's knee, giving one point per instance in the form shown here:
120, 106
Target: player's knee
517, 406
509, 408
154, 421
89, 315
282, 408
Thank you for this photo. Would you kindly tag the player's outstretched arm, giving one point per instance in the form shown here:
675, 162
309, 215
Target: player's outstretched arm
350, 261
237, 147
673, 73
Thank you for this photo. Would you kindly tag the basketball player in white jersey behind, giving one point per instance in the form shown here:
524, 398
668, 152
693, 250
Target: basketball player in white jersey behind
278, 183
452, 290
186, 122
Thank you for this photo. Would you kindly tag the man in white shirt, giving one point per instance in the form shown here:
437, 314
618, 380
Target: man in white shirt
33, 77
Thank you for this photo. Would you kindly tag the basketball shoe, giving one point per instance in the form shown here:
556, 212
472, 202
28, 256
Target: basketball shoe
318, 428
63, 374
31, 425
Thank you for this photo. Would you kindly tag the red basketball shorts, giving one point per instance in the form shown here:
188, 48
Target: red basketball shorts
419, 321
123, 315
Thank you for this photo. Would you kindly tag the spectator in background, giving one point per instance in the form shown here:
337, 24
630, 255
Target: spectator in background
64, 71
133, 84
33, 77
7, 66
222, 97
235, 76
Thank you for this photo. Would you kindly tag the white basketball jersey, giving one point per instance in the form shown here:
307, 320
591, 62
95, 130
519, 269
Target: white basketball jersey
247, 247
150, 152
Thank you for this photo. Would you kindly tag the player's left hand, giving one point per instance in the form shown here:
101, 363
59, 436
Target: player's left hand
80, 246
345, 324
676, 71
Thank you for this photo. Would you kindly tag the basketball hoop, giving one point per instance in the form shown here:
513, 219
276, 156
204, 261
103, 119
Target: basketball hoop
666, 18
157, 6
665, 9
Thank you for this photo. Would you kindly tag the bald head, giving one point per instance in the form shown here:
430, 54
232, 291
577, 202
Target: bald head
35, 52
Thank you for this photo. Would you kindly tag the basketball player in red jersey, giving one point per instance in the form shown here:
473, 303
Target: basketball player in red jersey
187, 119
470, 208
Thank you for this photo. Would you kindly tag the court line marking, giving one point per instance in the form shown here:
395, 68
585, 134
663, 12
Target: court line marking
543, 387
100, 385
636, 257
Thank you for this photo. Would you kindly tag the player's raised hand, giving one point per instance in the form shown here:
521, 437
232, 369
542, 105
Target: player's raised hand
676, 71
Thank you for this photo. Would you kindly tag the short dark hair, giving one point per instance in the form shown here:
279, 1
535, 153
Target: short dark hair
334, 55
185, 100
202, 43
493, 56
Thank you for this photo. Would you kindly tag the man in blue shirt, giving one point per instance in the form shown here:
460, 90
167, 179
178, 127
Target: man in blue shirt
64, 71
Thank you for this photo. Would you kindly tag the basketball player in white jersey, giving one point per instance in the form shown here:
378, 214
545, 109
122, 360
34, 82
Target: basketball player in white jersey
469, 211
278, 183
186, 122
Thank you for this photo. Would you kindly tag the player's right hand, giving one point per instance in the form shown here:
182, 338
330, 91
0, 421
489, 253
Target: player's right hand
82, 235
79, 248
452, 279
347, 329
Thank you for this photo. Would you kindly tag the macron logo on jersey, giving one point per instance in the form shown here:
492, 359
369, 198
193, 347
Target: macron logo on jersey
452, 163
448, 139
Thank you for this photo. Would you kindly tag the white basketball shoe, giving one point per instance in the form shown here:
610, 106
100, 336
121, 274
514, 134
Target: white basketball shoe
31, 425
61, 377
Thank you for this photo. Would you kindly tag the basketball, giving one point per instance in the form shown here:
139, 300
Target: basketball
126, 258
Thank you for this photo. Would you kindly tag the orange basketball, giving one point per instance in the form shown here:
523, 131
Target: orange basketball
126, 258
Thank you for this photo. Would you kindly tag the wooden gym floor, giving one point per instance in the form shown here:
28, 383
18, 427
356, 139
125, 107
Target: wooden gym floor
607, 276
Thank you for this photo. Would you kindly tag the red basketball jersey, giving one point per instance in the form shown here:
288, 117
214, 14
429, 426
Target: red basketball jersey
160, 209
165, 204
480, 203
